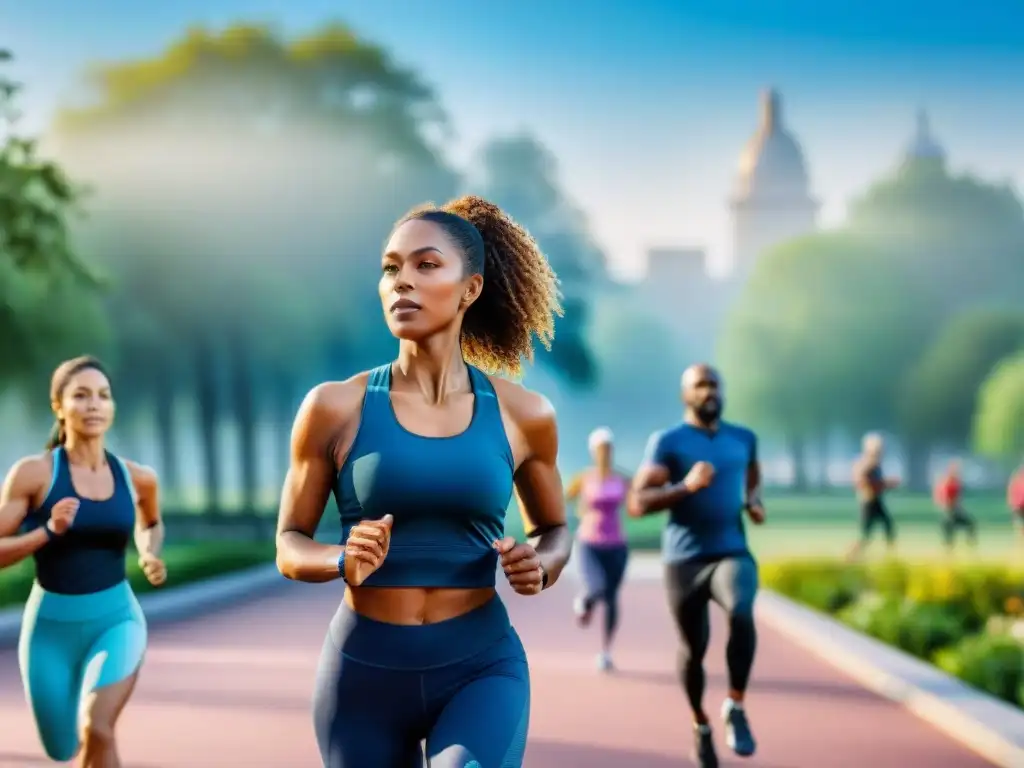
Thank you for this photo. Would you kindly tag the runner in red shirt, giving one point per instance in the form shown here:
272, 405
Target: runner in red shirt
948, 494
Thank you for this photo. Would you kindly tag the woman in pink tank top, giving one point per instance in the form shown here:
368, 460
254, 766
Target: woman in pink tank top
601, 547
1015, 498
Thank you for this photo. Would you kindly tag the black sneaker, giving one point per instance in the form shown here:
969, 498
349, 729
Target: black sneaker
704, 747
737, 729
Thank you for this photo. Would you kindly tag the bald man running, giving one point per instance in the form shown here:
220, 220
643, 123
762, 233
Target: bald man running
706, 474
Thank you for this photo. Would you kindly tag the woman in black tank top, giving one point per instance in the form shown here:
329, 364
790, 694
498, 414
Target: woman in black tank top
83, 634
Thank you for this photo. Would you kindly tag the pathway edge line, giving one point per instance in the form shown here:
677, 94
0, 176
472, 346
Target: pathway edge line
179, 603
984, 724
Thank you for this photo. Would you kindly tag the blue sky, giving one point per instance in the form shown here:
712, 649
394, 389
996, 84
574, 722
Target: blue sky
646, 103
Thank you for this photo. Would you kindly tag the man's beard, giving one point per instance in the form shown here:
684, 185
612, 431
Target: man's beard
709, 411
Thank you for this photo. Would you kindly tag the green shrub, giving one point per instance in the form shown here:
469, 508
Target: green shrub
993, 663
186, 563
821, 584
975, 592
915, 628
928, 628
971, 593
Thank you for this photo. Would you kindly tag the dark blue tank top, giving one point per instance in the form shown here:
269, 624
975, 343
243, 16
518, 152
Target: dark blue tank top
448, 495
90, 556
875, 477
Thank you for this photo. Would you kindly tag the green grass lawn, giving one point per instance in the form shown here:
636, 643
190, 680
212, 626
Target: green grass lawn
186, 562
797, 527
826, 525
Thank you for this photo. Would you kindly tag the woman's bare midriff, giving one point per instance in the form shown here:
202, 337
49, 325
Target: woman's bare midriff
413, 606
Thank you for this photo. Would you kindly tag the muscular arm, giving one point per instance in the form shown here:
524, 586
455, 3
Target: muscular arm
652, 492
652, 489
149, 526
538, 483
322, 416
23, 483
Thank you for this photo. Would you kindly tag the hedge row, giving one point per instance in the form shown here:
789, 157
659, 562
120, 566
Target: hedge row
967, 620
186, 563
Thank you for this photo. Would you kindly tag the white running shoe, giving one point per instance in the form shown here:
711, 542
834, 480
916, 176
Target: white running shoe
579, 607
604, 662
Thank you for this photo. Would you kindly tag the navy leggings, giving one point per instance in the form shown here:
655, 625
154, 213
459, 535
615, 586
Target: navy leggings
461, 685
602, 569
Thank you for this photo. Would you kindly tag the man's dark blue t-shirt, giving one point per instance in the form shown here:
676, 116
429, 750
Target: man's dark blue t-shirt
709, 523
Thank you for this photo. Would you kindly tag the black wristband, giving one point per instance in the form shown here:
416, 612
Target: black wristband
543, 577
341, 566
50, 533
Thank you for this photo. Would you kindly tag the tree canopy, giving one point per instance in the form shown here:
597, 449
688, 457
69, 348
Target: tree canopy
999, 421
940, 392
859, 328
48, 295
813, 341
519, 174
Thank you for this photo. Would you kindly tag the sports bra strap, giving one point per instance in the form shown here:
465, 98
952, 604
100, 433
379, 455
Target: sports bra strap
57, 456
488, 409
127, 476
378, 385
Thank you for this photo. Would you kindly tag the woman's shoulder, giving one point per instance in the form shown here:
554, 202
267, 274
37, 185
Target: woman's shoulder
336, 399
526, 407
143, 477
30, 473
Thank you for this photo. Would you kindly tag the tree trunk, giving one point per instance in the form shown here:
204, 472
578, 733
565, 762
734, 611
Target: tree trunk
917, 457
167, 435
798, 454
282, 413
243, 397
208, 403
824, 483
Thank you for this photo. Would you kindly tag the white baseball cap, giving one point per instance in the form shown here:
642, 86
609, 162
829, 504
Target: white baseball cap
600, 436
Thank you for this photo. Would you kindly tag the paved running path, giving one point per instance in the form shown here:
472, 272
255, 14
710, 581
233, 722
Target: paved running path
234, 688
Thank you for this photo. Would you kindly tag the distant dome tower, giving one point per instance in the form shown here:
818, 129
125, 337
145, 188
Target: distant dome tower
771, 202
923, 149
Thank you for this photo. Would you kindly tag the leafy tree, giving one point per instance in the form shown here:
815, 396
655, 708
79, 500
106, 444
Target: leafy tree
835, 323
521, 175
999, 421
814, 338
626, 338
962, 238
962, 242
272, 169
48, 307
940, 393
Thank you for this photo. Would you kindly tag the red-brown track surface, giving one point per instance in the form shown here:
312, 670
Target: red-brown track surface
233, 689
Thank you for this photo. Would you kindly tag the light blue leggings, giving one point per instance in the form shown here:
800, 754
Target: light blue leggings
70, 645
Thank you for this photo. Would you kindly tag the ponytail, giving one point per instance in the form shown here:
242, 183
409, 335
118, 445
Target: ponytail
58, 435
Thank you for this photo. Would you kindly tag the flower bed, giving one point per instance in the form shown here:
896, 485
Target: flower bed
967, 620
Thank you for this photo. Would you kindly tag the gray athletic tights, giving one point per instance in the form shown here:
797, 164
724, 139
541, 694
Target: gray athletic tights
732, 583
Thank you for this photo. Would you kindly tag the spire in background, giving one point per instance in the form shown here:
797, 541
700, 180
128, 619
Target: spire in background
771, 111
923, 146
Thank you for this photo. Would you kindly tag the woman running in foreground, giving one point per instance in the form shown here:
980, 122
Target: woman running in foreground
422, 455
83, 635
